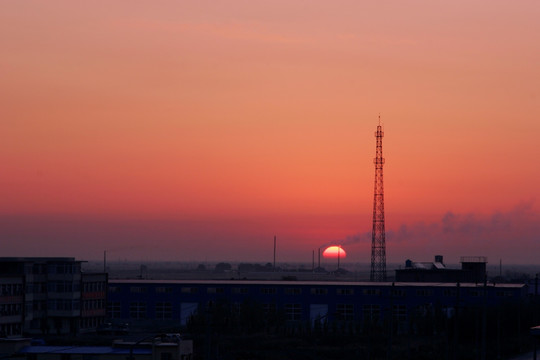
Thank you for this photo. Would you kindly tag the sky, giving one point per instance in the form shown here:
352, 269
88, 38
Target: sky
198, 130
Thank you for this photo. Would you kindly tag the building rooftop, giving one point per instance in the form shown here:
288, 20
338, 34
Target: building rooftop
38, 259
305, 283
473, 259
83, 350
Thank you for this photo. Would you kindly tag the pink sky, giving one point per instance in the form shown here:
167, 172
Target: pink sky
199, 130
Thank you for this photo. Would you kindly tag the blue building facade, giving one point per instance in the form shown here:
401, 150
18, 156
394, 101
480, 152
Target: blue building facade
174, 302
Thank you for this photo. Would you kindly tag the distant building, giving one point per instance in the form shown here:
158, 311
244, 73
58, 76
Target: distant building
162, 346
473, 270
42, 295
164, 303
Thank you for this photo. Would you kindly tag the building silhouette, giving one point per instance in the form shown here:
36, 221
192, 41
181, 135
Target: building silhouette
50, 295
168, 302
473, 270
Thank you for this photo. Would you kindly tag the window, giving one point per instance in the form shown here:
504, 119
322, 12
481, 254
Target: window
399, 312
164, 289
62, 269
138, 289
450, 292
92, 304
345, 291
345, 312
63, 304
189, 290
10, 309
237, 290
187, 310
163, 310
215, 290
319, 291
372, 312
293, 312
371, 292
426, 309
504, 294
269, 308
236, 307
114, 289
424, 292
210, 304
137, 310
293, 291
6, 289
268, 291
62, 286
397, 292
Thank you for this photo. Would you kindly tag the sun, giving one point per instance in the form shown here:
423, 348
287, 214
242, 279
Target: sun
334, 251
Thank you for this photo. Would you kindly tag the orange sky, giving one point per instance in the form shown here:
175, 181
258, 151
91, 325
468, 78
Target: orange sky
234, 121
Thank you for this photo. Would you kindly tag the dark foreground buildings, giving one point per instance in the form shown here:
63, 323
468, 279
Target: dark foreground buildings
241, 318
155, 347
142, 302
50, 295
42, 296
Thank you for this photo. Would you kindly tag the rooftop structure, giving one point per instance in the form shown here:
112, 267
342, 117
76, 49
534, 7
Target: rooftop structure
473, 269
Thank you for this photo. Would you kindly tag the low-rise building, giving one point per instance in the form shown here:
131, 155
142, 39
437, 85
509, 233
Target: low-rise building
173, 302
158, 347
50, 295
11, 305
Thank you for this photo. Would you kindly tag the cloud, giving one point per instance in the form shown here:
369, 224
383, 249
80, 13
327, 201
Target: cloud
512, 235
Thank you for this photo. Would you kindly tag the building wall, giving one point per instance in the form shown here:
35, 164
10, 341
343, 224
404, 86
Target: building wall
141, 301
93, 301
11, 305
53, 300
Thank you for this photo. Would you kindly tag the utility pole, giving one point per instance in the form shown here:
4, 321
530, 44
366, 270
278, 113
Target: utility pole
274, 253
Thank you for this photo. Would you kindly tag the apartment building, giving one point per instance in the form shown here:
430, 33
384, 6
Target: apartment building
46, 295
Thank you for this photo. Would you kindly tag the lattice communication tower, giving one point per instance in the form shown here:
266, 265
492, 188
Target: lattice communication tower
378, 242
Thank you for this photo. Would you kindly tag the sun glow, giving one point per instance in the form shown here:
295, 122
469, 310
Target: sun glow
334, 251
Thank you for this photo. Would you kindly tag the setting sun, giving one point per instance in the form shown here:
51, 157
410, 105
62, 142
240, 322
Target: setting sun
334, 251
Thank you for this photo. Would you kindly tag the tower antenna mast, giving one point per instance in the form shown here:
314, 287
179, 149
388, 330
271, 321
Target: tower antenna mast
378, 242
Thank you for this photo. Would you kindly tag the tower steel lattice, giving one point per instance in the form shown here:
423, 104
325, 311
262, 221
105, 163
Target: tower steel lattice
378, 243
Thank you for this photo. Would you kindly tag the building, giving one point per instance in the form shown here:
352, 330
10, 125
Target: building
44, 295
93, 300
173, 302
11, 305
156, 347
162, 346
473, 270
